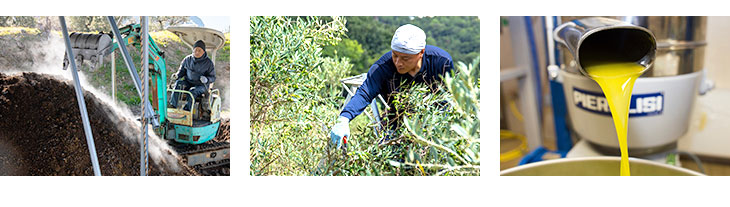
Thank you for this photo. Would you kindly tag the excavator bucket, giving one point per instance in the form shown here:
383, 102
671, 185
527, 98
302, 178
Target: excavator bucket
91, 47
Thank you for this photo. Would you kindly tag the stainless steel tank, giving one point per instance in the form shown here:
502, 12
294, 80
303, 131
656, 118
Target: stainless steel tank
680, 44
662, 98
596, 166
598, 40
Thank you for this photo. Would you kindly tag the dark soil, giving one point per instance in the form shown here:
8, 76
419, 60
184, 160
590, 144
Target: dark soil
224, 135
224, 131
41, 132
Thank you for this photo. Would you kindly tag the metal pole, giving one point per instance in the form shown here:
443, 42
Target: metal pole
131, 68
213, 60
80, 100
549, 25
126, 56
145, 120
528, 97
114, 75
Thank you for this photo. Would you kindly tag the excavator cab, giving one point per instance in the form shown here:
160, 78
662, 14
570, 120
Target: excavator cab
199, 124
202, 107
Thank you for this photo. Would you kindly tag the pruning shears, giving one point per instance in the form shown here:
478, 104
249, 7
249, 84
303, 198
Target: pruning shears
329, 159
344, 145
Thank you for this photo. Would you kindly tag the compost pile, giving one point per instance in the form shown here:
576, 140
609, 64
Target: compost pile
41, 132
224, 131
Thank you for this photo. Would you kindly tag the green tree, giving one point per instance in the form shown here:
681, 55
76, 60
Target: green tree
296, 95
448, 138
457, 35
101, 24
439, 133
348, 48
88, 24
17, 21
159, 23
294, 91
374, 36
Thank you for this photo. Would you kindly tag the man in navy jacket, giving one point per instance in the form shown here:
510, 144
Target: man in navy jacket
195, 73
409, 61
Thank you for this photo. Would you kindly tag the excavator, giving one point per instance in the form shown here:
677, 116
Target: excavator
190, 132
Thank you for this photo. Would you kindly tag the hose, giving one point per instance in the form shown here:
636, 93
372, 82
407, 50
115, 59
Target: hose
514, 153
694, 158
515, 111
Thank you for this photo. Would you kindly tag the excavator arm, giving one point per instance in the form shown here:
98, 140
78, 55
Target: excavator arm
94, 47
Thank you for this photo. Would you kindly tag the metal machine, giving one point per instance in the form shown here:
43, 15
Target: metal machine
188, 131
192, 130
662, 97
663, 100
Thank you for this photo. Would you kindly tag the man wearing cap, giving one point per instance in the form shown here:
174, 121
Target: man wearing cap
195, 74
409, 61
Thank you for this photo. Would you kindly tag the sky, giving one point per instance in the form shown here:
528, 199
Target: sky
221, 23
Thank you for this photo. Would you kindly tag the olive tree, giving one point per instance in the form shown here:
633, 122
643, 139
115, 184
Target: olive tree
293, 94
437, 132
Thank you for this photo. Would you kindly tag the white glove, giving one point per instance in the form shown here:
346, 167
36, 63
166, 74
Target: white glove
340, 132
174, 76
203, 79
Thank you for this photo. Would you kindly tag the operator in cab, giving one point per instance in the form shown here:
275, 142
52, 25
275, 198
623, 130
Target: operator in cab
195, 75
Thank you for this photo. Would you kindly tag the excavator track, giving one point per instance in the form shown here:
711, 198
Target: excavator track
210, 158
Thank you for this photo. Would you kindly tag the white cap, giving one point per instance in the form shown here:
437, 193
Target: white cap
408, 39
